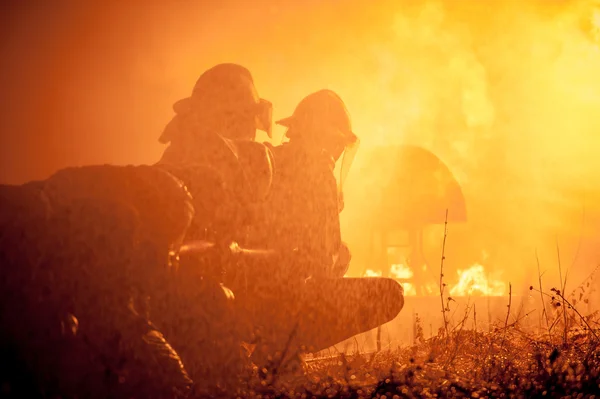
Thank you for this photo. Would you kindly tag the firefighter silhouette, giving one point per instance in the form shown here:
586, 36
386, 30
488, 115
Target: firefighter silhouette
213, 150
299, 300
306, 199
109, 245
211, 140
80, 306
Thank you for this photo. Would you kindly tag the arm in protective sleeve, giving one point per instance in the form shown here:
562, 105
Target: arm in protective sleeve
322, 237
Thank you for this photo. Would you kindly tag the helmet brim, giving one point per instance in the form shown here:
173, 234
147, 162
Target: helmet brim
183, 106
287, 122
346, 136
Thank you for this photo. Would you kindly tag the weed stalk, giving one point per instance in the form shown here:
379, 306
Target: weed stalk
442, 284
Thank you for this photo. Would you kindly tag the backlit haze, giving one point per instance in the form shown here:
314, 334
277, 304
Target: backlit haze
506, 93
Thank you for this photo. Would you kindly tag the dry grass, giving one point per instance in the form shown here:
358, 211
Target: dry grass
508, 361
464, 364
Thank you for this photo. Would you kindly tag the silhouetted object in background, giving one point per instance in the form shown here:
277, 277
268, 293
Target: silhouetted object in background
299, 300
410, 189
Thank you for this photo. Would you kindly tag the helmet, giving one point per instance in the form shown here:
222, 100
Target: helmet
321, 118
228, 89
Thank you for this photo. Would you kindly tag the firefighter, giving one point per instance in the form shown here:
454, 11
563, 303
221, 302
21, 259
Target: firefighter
115, 234
216, 127
309, 306
213, 150
79, 320
302, 210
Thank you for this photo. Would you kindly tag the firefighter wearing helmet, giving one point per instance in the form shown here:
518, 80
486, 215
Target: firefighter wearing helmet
301, 222
224, 101
301, 291
212, 149
306, 198
212, 139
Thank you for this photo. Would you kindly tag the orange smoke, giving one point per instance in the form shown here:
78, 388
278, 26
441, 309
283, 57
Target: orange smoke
508, 98
509, 101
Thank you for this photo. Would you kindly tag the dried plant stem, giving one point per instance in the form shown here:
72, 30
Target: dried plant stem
442, 286
284, 353
579, 314
565, 300
514, 323
475, 317
545, 314
507, 313
463, 321
414, 328
589, 277
562, 289
452, 357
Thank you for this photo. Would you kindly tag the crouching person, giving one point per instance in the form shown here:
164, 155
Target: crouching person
212, 149
106, 250
24, 315
299, 299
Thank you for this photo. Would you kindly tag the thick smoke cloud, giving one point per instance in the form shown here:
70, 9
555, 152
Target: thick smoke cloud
506, 94
508, 98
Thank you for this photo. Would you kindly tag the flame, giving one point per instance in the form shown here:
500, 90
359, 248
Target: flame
409, 289
401, 272
474, 281
372, 273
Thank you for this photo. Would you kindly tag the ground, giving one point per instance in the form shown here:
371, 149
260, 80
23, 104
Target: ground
508, 361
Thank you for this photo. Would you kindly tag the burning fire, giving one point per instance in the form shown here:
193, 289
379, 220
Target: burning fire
473, 281
401, 272
372, 273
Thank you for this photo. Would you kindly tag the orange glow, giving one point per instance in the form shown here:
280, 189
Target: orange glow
508, 98
372, 273
474, 282
401, 272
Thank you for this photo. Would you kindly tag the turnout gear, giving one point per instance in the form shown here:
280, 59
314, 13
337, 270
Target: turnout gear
303, 209
320, 117
321, 121
106, 239
301, 222
212, 148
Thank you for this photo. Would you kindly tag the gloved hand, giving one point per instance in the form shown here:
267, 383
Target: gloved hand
340, 268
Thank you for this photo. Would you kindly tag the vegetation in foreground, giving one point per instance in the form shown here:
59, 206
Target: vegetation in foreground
506, 362
558, 358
